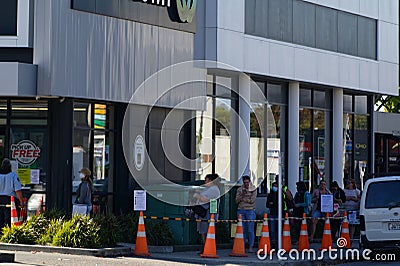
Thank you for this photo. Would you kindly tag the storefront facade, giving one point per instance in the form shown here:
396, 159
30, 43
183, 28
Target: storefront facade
329, 61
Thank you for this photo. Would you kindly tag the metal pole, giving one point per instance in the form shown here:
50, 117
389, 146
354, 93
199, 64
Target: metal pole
280, 202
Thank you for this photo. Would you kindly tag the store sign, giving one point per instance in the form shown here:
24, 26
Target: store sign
25, 152
186, 8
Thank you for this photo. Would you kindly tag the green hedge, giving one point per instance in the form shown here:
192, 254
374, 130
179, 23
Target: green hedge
58, 229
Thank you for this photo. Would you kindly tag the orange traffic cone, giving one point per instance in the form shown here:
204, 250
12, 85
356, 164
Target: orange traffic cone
210, 247
303, 239
14, 214
344, 241
286, 241
265, 244
141, 241
238, 244
326, 237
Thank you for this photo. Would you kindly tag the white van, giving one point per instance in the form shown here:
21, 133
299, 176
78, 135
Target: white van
380, 213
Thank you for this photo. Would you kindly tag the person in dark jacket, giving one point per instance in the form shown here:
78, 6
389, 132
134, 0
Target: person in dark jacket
85, 189
339, 197
272, 205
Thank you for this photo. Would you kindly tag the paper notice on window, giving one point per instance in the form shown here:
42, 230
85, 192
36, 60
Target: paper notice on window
35, 176
326, 203
139, 200
24, 175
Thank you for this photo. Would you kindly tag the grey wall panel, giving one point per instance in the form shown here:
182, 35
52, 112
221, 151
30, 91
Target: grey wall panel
326, 28
366, 42
107, 7
86, 55
347, 33
304, 23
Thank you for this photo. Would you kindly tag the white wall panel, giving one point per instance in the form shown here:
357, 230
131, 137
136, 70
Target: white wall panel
256, 58
369, 75
369, 8
349, 72
388, 78
352, 6
230, 48
388, 11
328, 68
388, 48
231, 14
281, 60
305, 65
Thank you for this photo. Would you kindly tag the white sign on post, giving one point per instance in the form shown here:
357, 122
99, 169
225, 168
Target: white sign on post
326, 203
139, 200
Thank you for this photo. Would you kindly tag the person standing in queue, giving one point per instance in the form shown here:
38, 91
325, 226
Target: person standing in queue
10, 185
272, 205
203, 198
246, 200
85, 188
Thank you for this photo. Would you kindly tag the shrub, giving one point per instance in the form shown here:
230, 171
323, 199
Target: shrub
55, 225
128, 224
17, 235
158, 233
110, 230
80, 231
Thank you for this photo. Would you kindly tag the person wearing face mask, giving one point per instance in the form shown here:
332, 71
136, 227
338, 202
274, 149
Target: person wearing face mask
85, 188
272, 205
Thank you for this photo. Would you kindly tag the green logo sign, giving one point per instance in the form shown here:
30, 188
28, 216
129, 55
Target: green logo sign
186, 9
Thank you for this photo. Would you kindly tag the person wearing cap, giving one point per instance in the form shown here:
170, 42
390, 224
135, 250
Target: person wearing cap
10, 185
246, 201
85, 188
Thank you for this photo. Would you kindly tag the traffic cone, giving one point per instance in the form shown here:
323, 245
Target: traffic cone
303, 239
265, 243
286, 241
326, 237
210, 247
141, 241
238, 244
344, 241
14, 214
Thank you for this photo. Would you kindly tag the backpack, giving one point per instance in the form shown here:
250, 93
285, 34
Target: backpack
288, 198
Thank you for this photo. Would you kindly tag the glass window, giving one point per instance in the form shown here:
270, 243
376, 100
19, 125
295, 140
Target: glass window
8, 18
304, 23
204, 140
3, 108
321, 148
223, 122
276, 93
320, 99
27, 108
360, 148
280, 26
223, 87
347, 33
361, 104
382, 195
305, 149
305, 97
347, 103
92, 148
348, 142
82, 115
367, 37
29, 150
